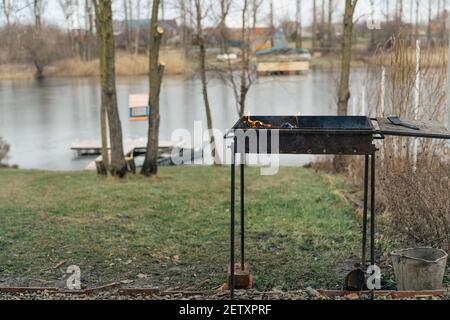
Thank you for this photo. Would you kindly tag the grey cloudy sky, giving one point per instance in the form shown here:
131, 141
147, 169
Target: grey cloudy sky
283, 9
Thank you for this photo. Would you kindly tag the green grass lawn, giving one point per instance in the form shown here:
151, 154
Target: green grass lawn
173, 231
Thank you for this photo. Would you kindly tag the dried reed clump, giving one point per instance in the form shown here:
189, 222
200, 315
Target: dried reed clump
413, 176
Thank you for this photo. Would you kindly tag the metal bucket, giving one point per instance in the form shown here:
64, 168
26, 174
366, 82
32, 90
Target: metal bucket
419, 269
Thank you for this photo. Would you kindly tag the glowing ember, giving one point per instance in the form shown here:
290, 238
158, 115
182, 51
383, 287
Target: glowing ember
255, 123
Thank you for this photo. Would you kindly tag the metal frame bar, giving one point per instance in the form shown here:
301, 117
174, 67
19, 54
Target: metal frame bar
369, 174
232, 218
366, 205
242, 213
372, 211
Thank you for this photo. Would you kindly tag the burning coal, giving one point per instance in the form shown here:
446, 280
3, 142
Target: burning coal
255, 124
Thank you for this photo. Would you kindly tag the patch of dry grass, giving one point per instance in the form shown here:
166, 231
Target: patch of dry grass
126, 65
16, 72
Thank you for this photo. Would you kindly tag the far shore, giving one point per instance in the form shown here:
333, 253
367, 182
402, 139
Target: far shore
177, 64
133, 65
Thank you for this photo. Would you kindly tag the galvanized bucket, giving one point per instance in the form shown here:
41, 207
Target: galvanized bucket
419, 268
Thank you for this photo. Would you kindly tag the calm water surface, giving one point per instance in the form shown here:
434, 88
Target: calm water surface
41, 120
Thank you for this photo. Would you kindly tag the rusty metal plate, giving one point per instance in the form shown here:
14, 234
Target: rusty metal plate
427, 129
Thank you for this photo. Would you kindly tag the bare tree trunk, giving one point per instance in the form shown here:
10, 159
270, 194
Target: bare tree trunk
156, 73
104, 133
344, 91
201, 40
103, 110
89, 30
444, 18
429, 24
117, 166
184, 27
272, 23
7, 10
245, 60
256, 4
37, 7
388, 16
372, 31
322, 25
416, 27
37, 14
314, 25
330, 25
298, 26
127, 25
138, 28
224, 10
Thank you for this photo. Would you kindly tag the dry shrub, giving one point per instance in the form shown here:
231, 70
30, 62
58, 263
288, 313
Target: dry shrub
413, 174
4, 149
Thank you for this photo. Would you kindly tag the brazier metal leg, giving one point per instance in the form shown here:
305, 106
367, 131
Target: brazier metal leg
242, 213
372, 213
232, 218
366, 205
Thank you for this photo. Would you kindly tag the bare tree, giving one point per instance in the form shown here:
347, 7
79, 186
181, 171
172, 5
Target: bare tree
416, 26
272, 22
330, 24
256, 5
314, 25
36, 47
443, 22
225, 6
344, 91
387, 7
298, 25
104, 23
201, 12
127, 24
184, 26
138, 28
89, 28
37, 9
429, 39
156, 73
241, 81
322, 25
372, 30
400, 10
7, 9
67, 7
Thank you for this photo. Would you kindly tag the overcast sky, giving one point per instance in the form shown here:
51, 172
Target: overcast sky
52, 12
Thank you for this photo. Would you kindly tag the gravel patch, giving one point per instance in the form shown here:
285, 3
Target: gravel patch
240, 295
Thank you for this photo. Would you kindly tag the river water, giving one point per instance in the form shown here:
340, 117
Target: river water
40, 120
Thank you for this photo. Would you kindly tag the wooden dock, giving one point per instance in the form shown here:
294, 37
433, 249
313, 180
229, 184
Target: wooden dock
267, 68
131, 148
